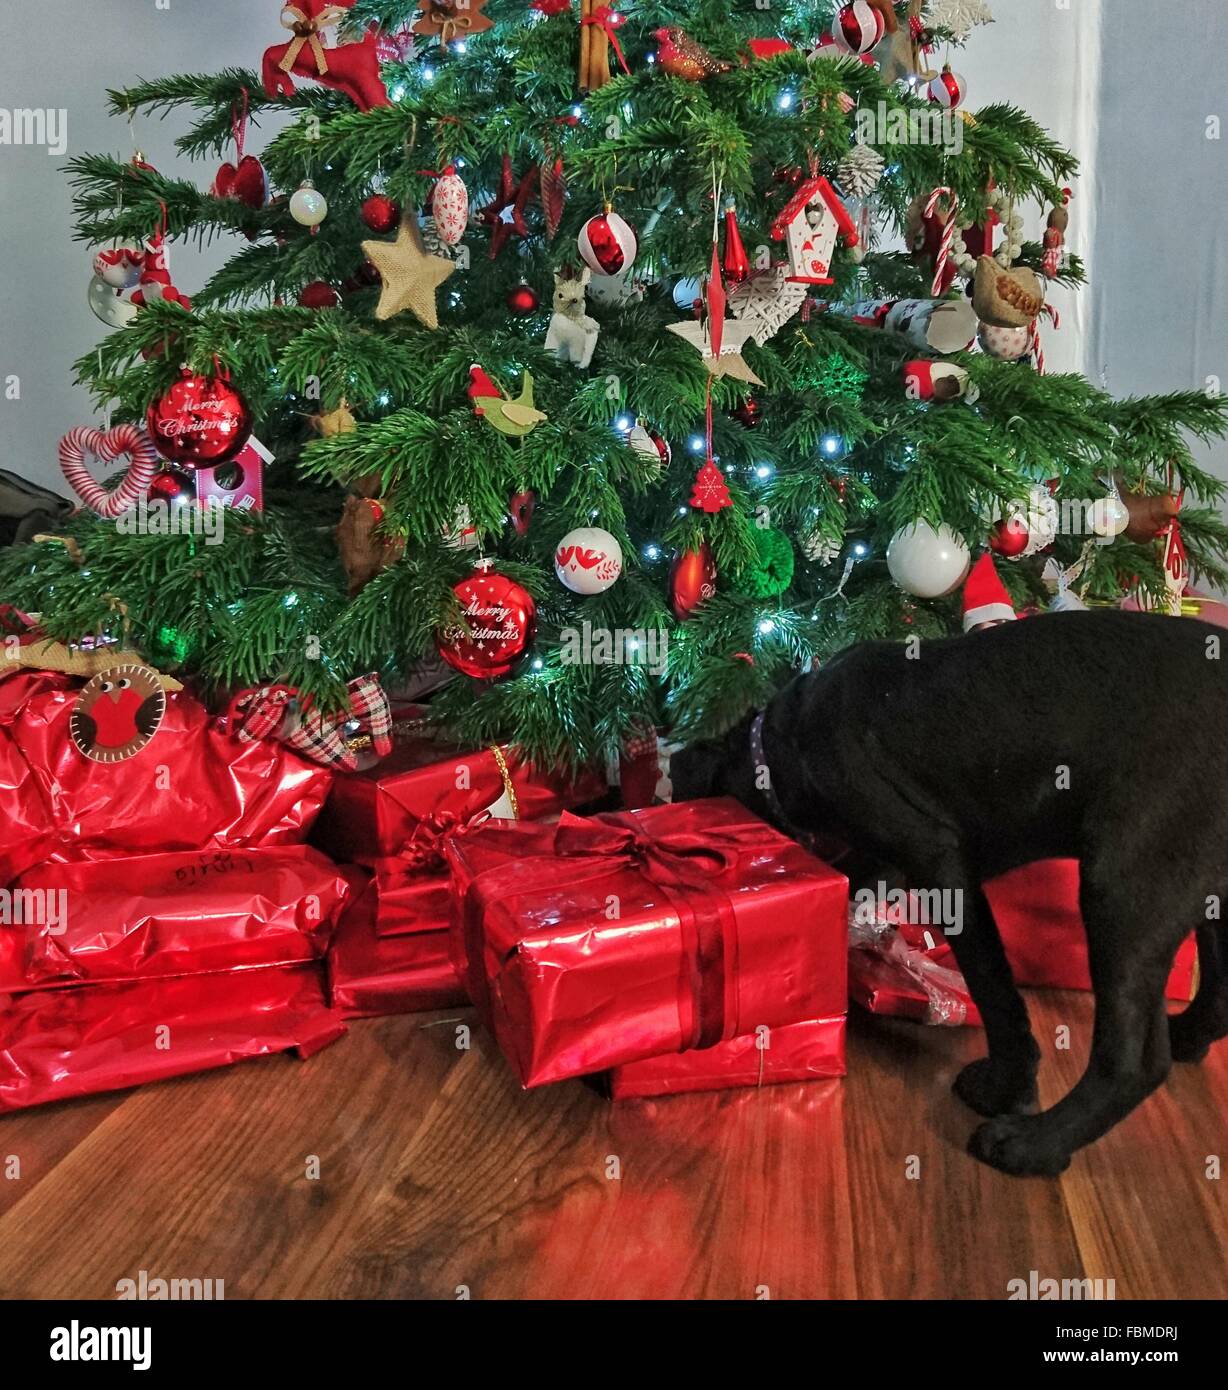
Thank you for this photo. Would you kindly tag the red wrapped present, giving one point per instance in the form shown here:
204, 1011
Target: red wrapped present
599, 942
1036, 908
371, 975
59, 1043
808, 1051
425, 784
170, 914
192, 786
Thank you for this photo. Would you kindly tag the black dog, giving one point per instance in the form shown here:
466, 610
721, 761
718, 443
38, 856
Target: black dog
1096, 736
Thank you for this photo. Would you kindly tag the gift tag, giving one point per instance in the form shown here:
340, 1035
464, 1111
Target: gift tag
501, 808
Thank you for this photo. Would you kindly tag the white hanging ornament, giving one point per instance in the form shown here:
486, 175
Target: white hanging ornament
948, 89
450, 206
588, 560
607, 243
818, 547
927, 561
958, 17
860, 170
462, 534
308, 206
114, 307
1109, 516
650, 445
120, 266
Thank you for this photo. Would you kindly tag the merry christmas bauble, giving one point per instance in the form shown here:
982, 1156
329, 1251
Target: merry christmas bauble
927, 561
308, 206
606, 243
857, 28
692, 580
499, 620
588, 560
380, 213
172, 485
948, 89
522, 299
649, 445
200, 422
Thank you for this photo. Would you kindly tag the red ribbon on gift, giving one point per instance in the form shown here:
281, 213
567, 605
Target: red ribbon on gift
424, 849
687, 867
607, 19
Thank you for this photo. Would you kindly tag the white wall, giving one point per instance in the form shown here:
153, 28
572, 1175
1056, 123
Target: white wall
1130, 97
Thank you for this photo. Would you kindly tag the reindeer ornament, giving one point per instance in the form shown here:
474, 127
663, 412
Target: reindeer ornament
352, 68
572, 335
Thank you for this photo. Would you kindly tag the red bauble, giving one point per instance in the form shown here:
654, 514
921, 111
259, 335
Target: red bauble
750, 412
521, 505
172, 485
381, 214
500, 618
318, 295
692, 580
523, 299
1009, 537
735, 263
200, 422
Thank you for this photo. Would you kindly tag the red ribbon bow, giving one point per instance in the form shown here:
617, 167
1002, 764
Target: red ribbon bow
424, 848
607, 19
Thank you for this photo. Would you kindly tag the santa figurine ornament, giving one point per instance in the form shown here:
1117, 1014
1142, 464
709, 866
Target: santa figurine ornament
986, 602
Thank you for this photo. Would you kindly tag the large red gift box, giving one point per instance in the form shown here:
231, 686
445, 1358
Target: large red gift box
193, 786
370, 975
595, 943
808, 1051
170, 914
59, 1043
425, 787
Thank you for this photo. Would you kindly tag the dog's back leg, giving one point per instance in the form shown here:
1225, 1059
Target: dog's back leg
1132, 937
1192, 1032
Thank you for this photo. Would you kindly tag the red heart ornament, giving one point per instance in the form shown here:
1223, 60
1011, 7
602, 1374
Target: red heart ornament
248, 182
109, 446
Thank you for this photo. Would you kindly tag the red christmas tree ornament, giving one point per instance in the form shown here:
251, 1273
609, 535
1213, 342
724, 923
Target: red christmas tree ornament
735, 262
522, 299
172, 485
607, 243
352, 68
499, 621
318, 295
1009, 537
200, 422
710, 492
692, 580
948, 89
749, 413
450, 206
381, 213
505, 215
245, 181
857, 28
553, 191
520, 507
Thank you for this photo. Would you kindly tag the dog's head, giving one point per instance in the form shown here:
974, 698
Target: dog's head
718, 767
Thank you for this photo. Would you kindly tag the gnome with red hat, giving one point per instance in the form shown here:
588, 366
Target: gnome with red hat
986, 602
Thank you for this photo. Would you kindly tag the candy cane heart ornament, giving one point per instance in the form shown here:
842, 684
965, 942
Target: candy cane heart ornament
107, 446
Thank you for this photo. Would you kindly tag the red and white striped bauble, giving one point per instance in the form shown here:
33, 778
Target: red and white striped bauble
450, 206
606, 243
948, 89
857, 28
108, 446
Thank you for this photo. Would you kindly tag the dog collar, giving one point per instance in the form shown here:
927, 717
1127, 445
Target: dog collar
759, 760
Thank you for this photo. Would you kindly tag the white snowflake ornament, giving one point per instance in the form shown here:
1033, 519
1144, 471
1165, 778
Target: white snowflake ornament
860, 170
959, 17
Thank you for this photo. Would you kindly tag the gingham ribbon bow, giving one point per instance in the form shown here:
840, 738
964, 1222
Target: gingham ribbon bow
259, 713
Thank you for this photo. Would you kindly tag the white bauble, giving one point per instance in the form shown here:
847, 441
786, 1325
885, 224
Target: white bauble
588, 560
927, 562
120, 265
613, 291
1006, 344
115, 310
308, 206
1108, 517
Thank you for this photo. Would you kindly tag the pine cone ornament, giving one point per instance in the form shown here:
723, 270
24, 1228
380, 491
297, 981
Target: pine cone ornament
680, 56
860, 170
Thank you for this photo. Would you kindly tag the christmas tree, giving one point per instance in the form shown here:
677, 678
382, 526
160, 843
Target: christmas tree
609, 304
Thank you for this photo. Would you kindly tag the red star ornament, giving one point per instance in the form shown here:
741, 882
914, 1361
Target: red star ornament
709, 491
506, 214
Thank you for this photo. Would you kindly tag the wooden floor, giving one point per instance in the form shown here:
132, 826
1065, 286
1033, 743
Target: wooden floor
436, 1172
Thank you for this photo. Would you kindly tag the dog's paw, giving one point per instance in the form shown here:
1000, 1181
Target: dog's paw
991, 1089
1187, 1040
1013, 1144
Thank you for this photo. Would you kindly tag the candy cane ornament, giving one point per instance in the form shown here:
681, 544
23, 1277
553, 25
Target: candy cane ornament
108, 445
948, 234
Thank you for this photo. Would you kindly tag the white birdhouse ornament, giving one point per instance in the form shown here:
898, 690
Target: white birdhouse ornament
809, 224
